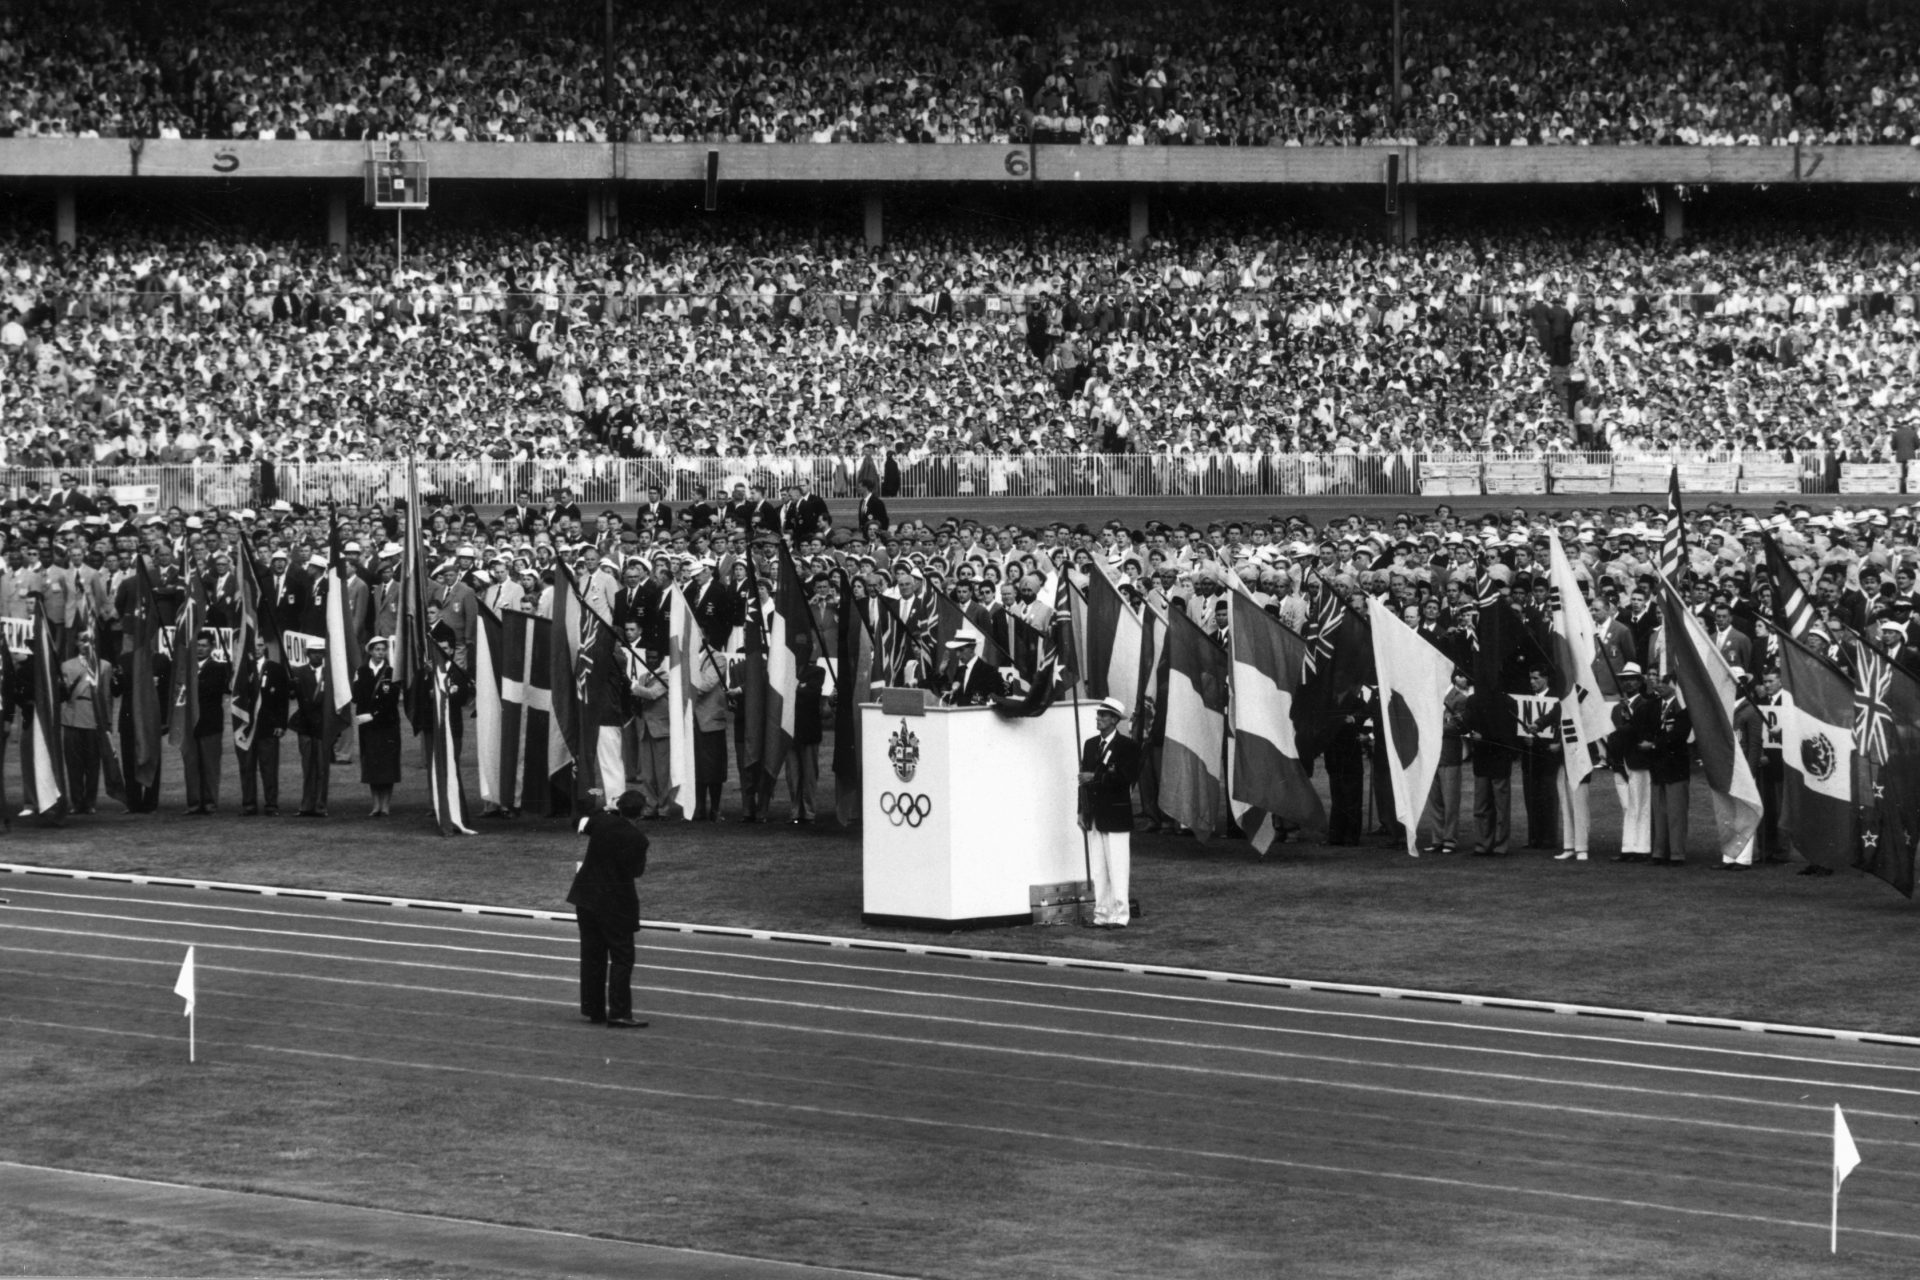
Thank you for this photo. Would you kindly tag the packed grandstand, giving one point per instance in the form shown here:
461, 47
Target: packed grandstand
151, 342
1217, 72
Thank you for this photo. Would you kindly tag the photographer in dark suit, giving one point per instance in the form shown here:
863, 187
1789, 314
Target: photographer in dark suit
1109, 766
606, 908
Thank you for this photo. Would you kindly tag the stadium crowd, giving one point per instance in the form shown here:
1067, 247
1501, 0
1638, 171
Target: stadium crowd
1210, 72
170, 346
70, 557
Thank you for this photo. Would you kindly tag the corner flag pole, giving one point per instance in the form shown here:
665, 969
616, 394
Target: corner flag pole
184, 987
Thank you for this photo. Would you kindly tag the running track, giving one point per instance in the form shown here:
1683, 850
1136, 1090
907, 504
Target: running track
1594, 1123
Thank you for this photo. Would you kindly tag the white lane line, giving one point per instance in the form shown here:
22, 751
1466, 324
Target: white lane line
1062, 1138
1014, 957
1080, 1060
1071, 1108
974, 1024
1033, 1006
1268, 1101
643, 1250
1056, 987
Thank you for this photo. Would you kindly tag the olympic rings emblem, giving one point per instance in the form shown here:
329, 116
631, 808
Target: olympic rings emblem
906, 808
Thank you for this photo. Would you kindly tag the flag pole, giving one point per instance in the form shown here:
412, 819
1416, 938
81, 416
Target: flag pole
1086, 840
1833, 1242
192, 1016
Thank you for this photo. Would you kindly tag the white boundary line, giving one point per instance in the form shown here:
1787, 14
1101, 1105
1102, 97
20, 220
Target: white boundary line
1006, 957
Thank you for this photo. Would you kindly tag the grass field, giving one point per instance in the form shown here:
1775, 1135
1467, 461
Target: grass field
1764, 944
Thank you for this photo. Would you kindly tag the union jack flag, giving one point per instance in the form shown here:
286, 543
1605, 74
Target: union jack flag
1872, 712
1322, 623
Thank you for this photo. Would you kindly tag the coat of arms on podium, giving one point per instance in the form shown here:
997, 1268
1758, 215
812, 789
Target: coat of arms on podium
903, 748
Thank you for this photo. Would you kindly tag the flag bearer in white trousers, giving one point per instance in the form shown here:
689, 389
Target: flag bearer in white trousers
1109, 766
1631, 748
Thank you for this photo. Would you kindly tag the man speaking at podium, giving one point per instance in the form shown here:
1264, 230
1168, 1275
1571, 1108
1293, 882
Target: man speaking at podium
1109, 765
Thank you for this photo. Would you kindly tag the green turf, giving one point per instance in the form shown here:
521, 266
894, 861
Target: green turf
1763, 944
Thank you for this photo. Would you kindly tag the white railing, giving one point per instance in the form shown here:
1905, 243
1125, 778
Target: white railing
609, 481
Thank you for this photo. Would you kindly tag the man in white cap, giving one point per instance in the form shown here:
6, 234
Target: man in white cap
1109, 766
975, 683
1631, 748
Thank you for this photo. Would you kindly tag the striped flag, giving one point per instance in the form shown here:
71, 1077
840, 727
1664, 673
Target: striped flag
443, 764
1706, 683
1673, 546
1817, 750
1193, 726
49, 753
1267, 778
1791, 608
1113, 638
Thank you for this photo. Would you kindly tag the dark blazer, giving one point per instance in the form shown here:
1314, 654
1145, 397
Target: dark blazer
871, 511
377, 695
272, 716
1106, 803
308, 716
978, 684
1635, 720
716, 610
215, 676
1672, 762
616, 857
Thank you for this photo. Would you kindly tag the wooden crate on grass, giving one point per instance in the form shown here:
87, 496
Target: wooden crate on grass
1068, 902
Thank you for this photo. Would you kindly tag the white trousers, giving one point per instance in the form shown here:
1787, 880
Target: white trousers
1636, 810
1110, 853
1723, 811
1576, 805
610, 756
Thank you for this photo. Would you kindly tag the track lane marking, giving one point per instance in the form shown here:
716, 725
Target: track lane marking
1033, 1006
1225, 1073
946, 976
1011, 957
1066, 1138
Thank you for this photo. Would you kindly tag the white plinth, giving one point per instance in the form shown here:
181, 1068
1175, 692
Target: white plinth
964, 811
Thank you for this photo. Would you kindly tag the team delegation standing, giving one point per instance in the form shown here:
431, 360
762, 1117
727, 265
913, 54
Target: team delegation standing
1447, 577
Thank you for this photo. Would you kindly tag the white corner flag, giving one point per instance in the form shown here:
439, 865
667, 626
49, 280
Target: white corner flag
184, 988
1846, 1158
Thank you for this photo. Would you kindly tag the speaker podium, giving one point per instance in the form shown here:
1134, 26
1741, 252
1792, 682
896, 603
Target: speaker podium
965, 812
